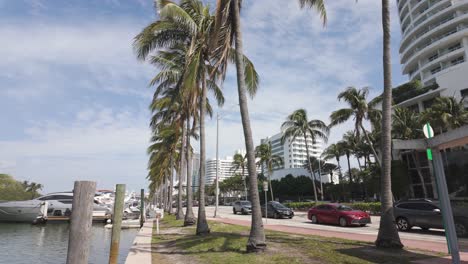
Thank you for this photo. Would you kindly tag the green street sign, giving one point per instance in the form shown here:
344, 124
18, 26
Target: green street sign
429, 154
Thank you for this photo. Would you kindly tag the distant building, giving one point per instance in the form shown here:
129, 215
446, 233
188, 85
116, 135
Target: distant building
293, 153
225, 168
195, 171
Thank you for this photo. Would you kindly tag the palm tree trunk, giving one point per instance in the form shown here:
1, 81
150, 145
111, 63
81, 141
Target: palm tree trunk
359, 163
417, 163
311, 171
388, 235
245, 185
165, 196
271, 188
202, 224
371, 145
189, 217
349, 168
256, 240
340, 178
171, 186
182, 174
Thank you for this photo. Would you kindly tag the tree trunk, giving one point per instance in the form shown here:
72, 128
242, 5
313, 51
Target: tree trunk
372, 145
349, 168
171, 187
271, 187
164, 196
182, 174
311, 170
245, 185
189, 217
202, 224
256, 240
359, 163
417, 163
388, 235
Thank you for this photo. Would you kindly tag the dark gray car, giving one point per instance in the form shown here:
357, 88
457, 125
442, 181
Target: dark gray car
426, 214
244, 207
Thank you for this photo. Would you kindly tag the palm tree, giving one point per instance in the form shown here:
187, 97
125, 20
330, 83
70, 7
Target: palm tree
269, 160
317, 166
334, 151
298, 125
359, 109
189, 216
388, 235
229, 34
446, 113
240, 162
347, 149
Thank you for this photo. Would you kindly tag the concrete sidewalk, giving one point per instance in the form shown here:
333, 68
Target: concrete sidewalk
140, 252
409, 243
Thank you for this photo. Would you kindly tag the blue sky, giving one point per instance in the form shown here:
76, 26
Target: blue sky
74, 98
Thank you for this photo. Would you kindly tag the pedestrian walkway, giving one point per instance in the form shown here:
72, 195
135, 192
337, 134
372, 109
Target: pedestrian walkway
140, 252
409, 243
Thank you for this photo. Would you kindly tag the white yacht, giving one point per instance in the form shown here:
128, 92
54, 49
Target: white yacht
22, 211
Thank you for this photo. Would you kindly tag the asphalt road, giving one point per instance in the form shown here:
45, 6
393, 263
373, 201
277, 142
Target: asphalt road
300, 220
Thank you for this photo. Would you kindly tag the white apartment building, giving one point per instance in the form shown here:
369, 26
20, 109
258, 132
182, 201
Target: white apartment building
294, 153
225, 168
434, 47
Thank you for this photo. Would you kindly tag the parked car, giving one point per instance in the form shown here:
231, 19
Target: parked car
335, 213
244, 207
277, 210
426, 214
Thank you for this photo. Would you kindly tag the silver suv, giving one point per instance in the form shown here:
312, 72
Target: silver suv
244, 207
426, 214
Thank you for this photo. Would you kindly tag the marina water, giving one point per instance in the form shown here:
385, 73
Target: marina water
47, 244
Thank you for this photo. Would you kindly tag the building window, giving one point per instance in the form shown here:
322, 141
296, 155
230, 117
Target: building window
458, 60
436, 70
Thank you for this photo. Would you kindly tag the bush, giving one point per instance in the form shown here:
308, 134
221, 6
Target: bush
372, 208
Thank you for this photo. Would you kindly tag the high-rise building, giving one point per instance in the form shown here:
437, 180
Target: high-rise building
293, 153
225, 168
434, 48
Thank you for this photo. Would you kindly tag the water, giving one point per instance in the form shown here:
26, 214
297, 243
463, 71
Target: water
26, 244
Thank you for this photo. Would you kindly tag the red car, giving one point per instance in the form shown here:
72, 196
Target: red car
338, 214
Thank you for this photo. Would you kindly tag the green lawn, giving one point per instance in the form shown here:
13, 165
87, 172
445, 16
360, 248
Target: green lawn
226, 244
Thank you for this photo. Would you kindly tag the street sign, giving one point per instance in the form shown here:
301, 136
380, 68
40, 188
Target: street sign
428, 131
265, 186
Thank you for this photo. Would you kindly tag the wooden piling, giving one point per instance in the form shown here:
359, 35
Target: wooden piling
80, 222
142, 210
117, 223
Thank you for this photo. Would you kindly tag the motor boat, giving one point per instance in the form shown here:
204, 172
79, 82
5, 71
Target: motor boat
31, 211
60, 205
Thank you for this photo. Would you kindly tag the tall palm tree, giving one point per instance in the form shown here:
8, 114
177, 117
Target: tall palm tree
189, 216
388, 234
240, 162
269, 160
359, 109
334, 151
228, 28
298, 125
347, 149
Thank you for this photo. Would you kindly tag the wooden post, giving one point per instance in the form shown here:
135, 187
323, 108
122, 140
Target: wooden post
142, 210
117, 223
81, 221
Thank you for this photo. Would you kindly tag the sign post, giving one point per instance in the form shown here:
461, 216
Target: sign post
265, 190
447, 215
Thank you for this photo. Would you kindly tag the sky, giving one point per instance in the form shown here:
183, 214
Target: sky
75, 98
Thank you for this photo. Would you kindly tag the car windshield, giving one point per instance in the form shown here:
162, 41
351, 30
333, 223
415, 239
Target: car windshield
245, 203
344, 208
278, 205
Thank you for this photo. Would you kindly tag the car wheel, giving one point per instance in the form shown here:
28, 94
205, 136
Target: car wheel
343, 222
425, 228
290, 217
403, 224
461, 229
314, 219
234, 210
276, 215
362, 225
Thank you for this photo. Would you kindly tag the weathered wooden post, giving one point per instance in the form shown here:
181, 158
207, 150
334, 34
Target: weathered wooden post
81, 221
117, 223
142, 210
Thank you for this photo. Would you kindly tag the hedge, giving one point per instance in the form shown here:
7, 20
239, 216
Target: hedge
372, 208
